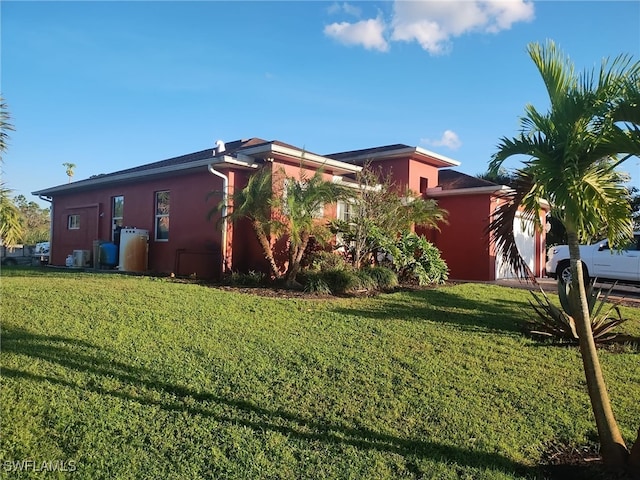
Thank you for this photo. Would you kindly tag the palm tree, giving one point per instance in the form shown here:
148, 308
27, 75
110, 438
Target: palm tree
254, 202
573, 150
69, 169
301, 206
10, 224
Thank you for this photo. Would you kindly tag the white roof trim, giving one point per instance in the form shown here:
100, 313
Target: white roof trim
400, 152
272, 148
429, 153
492, 189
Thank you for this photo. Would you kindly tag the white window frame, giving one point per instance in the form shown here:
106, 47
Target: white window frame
160, 216
73, 221
116, 221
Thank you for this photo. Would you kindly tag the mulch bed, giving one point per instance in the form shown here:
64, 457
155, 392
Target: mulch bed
561, 462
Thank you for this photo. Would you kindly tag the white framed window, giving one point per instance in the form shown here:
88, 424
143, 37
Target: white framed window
117, 214
162, 216
73, 222
345, 211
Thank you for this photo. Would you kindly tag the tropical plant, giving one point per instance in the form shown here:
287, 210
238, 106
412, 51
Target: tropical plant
302, 206
69, 169
10, 225
415, 259
573, 150
379, 213
559, 322
254, 202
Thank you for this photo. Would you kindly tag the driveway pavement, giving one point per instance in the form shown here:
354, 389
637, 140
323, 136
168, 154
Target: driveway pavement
626, 294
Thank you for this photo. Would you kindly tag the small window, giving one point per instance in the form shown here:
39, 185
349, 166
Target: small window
117, 214
162, 216
424, 184
346, 211
73, 222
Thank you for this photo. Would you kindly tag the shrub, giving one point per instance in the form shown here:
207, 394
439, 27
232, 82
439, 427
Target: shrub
559, 322
415, 259
314, 282
334, 281
324, 260
251, 279
383, 278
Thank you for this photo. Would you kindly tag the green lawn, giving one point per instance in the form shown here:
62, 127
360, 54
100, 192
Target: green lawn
135, 377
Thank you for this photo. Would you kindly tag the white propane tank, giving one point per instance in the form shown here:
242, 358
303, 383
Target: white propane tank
69, 261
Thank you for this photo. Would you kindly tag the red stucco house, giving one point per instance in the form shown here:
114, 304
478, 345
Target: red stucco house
170, 202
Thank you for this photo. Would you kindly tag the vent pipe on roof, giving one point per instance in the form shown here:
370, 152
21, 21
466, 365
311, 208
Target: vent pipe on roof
219, 148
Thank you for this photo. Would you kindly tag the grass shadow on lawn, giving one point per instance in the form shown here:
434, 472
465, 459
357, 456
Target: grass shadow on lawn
444, 306
90, 360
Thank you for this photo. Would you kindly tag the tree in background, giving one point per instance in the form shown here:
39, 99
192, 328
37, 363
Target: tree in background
34, 219
573, 150
10, 226
69, 169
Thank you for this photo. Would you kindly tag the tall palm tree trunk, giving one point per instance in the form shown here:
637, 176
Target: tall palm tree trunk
612, 447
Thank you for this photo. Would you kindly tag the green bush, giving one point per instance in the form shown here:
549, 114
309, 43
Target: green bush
415, 259
334, 281
345, 279
384, 278
324, 260
251, 279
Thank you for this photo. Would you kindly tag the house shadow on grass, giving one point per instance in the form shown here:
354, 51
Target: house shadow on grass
88, 359
442, 305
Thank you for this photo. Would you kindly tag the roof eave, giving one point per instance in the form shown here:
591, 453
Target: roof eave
336, 166
435, 159
488, 190
131, 176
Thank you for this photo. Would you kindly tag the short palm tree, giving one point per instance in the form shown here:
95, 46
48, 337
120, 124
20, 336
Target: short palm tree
573, 150
302, 206
254, 202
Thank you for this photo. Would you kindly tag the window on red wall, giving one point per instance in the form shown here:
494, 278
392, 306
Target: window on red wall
73, 222
117, 214
162, 216
424, 184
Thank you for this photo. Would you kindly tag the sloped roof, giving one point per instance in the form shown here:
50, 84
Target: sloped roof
452, 180
375, 151
253, 148
397, 150
182, 162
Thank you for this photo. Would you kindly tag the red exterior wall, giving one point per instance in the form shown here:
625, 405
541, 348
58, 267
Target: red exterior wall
194, 242
463, 241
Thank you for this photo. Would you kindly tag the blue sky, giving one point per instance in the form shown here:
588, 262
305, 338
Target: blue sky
112, 85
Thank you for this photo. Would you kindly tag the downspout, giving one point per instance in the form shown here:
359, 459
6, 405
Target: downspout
49, 200
225, 195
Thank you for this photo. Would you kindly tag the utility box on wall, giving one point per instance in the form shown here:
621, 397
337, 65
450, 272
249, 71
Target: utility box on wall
134, 250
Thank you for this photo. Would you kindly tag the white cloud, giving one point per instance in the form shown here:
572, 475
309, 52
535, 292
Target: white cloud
368, 33
346, 8
431, 23
434, 23
449, 139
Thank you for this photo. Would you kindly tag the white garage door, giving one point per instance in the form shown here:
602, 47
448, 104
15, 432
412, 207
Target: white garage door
524, 233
